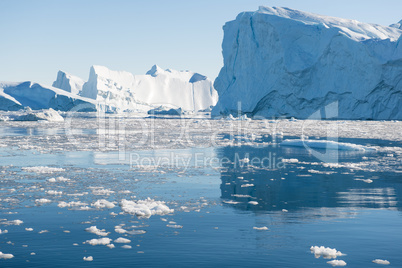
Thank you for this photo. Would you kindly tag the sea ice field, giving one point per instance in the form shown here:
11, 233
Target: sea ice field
135, 191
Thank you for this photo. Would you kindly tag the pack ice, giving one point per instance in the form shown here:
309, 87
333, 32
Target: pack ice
118, 91
284, 62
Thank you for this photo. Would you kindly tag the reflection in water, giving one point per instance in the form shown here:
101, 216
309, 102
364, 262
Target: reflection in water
303, 183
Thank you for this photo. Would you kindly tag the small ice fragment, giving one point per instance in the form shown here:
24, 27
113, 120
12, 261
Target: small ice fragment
379, 261
110, 246
3, 231
100, 241
176, 226
122, 240
6, 256
247, 185
29, 229
43, 231
253, 202
126, 246
264, 228
89, 258
365, 180
291, 160
42, 201
53, 192
337, 263
94, 230
33, 253
284, 210
102, 203
327, 253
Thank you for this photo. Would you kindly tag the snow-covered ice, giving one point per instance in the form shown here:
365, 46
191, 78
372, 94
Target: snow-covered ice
99, 241
145, 208
325, 252
380, 261
95, 230
337, 263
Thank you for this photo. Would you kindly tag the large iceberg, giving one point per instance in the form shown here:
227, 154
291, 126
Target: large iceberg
123, 91
284, 62
16, 96
68, 82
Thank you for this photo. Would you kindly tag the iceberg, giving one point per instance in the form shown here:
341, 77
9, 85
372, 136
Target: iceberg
123, 91
280, 62
69, 83
17, 96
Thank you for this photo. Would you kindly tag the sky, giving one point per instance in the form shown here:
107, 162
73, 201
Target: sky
38, 38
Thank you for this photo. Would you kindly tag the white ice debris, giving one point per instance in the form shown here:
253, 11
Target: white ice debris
53, 192
3, 231
365, 180
102, 203
100, 241
58, 179
326, 144
379, 261
46, 115
63, 204
6, 256
327, 253
89, 258
95, 230
264, 228
337, 263
291, 160
101, 191
42, 201
110, 246
29, 229
41, 169
126, 247
145, 208
247, 185
253, 203
175, 226
13, 222
122, 240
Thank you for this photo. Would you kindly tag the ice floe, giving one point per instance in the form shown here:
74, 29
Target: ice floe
383, 262
95, 230
100, 241
42, 201
122, 240
145, 208
264, 228
326, 253
337, 263
6, 255
102, 203
89, 258
41, 169
13, 222
326, 144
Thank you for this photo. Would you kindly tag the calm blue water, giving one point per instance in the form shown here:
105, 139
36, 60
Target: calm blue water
303, 204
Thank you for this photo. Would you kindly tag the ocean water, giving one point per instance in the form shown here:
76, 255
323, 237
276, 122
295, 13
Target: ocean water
221, 195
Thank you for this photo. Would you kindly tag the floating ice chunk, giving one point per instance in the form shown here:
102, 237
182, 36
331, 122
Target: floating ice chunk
58, 179
365, 180
63, 204
94, 230
136, 232
337, 263
102, 192
89, 258
42, 201
253, 203
100, 241
3, 231
230, 202
176, 226
264, 228
43, 231
110, 246
33, 253
291, 160
53, 192
126, 247
13, 222
122, 240
6, 256
285, 210
327, 253
102, 203
247, 185
41, 169
119, 229
145, 208
379, 261
125, 192
45, 114
29, 229
325, 144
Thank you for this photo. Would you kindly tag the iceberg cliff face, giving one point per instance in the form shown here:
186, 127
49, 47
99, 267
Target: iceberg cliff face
69, 83
125, 91
16, 96
283, 62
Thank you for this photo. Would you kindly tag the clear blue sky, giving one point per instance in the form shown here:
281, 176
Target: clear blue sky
37, 38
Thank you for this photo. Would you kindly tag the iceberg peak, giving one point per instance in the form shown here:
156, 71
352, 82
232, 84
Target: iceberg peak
155, 70
397, 25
